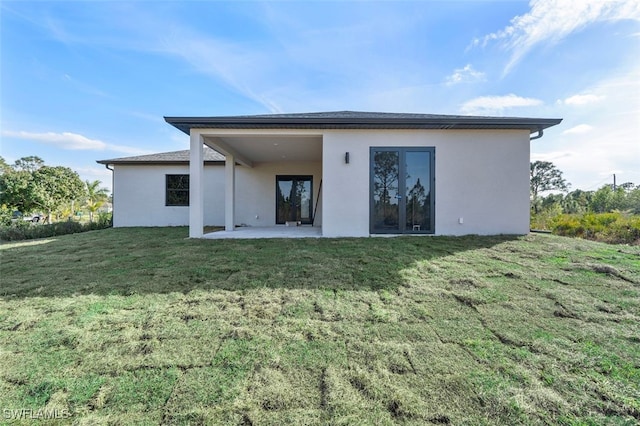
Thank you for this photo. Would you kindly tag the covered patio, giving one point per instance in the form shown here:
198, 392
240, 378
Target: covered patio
255, 232
250, 149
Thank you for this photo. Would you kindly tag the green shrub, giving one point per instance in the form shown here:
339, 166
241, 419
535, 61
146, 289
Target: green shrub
12, 233
616, 227
545, 216
568, 225
21, 230
627, 231
105, 220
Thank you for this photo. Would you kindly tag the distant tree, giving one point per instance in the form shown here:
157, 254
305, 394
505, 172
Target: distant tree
417, 204
14, 190
4, 167
577, 201
607, 199
28, 164
5, 215
15, 182
50, 187
633, 200
385, 183
544, 176
30, 186
95, 197
628, 186
551, 200
64, 210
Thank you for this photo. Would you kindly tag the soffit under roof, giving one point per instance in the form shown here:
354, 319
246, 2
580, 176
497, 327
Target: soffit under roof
271, 148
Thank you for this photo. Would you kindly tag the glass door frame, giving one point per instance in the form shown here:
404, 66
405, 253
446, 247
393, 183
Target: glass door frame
295, 178
402, 151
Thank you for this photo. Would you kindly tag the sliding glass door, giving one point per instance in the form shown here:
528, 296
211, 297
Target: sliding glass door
402, 190
294, 196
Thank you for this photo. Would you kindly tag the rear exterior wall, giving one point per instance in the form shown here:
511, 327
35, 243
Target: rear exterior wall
481, 176
481, 180
140, 194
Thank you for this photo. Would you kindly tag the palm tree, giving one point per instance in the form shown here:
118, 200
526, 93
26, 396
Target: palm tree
96, 197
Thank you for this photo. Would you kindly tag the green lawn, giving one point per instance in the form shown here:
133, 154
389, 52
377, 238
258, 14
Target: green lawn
144, 326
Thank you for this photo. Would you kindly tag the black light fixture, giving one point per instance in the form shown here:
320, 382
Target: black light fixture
346, 158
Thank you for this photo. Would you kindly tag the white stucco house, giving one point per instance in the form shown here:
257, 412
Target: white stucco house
351, 174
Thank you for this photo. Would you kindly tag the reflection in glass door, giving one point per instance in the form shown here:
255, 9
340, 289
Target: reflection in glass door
294, 196
417, 191
385, 194
402, 190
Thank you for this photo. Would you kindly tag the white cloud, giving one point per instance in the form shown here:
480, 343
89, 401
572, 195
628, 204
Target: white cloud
581, 99
65, 140
464, 75
553, 20
300, 62
304, 62
71, 141
497, 104
128, 149
233, 64
579, 129
552, 156
598, 142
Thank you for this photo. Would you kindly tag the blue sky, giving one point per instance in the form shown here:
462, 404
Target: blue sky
89, 80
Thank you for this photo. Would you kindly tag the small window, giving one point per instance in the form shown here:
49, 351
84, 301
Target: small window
177, 190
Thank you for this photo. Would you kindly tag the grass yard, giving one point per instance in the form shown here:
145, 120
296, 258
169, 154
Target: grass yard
143, 326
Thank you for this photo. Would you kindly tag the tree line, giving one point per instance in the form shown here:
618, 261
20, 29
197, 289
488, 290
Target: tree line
545, 176
29, 185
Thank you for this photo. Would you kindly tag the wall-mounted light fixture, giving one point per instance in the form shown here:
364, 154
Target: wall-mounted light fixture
346, 158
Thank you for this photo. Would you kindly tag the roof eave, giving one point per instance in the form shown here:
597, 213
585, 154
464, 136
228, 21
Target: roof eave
185, 124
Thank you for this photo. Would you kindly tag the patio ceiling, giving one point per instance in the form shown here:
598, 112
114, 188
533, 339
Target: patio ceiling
249, 149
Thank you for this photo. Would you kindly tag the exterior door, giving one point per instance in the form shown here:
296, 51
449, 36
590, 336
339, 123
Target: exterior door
402, 190
294, 195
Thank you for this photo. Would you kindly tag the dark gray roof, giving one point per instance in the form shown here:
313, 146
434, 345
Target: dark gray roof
360, 120
174, 157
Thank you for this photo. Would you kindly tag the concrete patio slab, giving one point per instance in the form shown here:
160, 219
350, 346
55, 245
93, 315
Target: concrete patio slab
281, 231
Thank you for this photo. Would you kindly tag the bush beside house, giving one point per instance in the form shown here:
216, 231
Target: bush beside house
28, 231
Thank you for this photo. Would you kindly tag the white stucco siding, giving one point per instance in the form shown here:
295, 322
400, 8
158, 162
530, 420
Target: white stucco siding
139, 194
481, 176
140, 191
484, 179
345, 205
256, 190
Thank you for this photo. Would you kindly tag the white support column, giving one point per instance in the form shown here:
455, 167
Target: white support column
229, 192
196, 186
